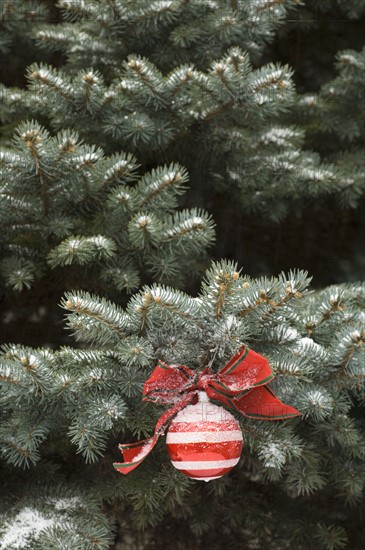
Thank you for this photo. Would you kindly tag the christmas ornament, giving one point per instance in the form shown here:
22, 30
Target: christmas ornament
204, 441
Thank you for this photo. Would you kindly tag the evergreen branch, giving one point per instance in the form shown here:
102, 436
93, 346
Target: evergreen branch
160, 299
144, 230
190, 228
52, 79
33, 140
123, 168
82, 250
83, 303
358, 343
291, 286
162, 182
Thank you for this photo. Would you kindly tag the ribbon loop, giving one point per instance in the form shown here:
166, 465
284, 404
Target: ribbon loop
241, 385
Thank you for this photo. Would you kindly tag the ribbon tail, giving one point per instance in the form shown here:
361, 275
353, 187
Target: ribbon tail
135, 453
261, 403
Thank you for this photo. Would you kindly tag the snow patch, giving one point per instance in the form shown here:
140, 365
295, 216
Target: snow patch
27, 523
319, 400
143, 220
272, 455
65, 503
74, 244
290, 334
307, 345
33, 360
309, 101
99, 241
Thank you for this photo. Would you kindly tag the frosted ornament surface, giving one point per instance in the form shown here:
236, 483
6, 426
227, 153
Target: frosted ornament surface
204, 441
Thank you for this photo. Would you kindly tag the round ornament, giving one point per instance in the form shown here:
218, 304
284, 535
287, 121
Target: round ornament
204, 441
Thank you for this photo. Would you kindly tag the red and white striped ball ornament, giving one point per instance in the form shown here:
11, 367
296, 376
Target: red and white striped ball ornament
204, 441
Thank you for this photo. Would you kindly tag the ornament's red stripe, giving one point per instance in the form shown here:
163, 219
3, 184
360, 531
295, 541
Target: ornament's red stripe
195, 451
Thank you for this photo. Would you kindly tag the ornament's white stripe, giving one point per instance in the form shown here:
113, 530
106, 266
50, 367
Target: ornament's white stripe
203, 437
206, 464
204, 478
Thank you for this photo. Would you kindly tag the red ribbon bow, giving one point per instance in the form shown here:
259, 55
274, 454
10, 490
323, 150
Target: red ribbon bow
240, 385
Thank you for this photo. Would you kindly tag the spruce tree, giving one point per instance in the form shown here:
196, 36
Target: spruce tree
148, 76
65, 203
66, 411
254, 135
143, 127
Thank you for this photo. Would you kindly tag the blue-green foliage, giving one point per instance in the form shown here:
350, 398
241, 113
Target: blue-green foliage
201, 98
65, 203
85, 401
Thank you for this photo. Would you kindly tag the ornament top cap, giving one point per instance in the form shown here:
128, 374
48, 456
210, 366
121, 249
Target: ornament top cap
203, 398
